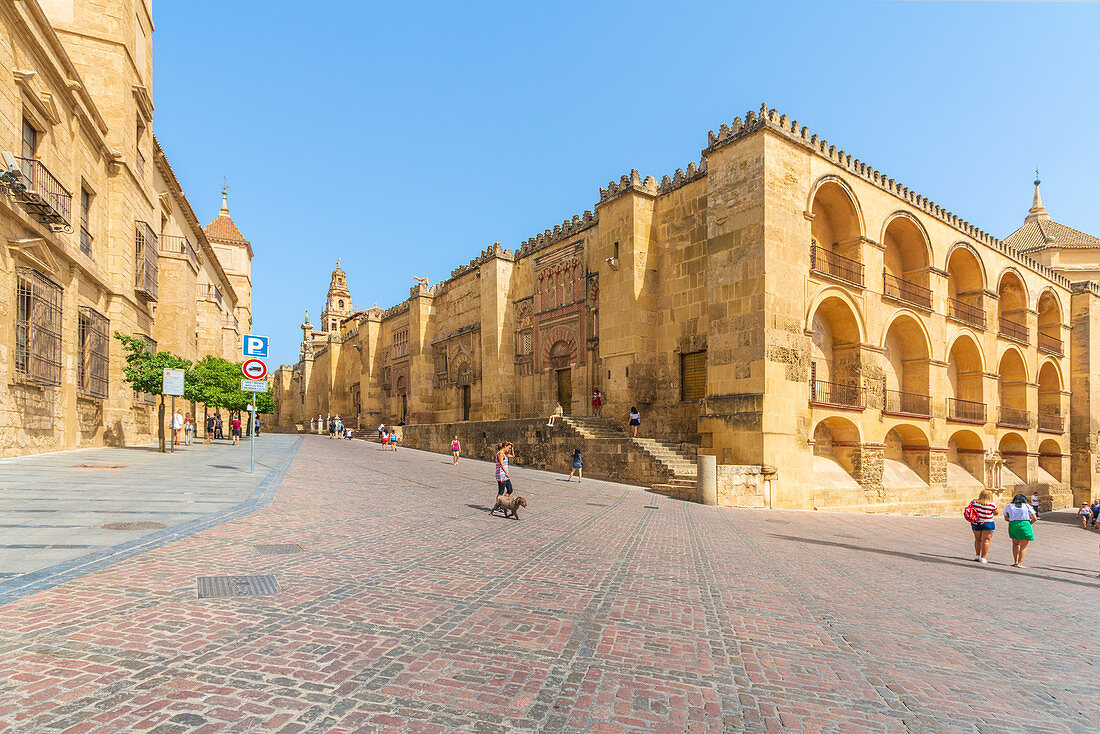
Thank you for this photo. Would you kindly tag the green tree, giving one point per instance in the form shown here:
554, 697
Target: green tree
217, 382
144, 370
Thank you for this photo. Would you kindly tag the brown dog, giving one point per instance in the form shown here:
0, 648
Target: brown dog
508, 503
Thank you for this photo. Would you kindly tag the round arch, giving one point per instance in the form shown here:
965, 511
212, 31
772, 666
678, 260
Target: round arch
1049, 295
966, 449
1013, 449
903, 313
1047, 365
965, 334
972, 253
1013, 273
1019, 354
1050, 461
921, 230
838, 293
846, 188
908, 444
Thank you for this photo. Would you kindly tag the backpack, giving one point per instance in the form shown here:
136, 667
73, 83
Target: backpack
970, 514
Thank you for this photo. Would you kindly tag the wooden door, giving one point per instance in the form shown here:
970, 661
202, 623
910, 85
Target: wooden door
565, 390
465, 402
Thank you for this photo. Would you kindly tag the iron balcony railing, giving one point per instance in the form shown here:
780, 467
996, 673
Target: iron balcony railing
179, 245
1014, 418
908, 403
966, 312
967, 411
834, 393
1051, 423
837, 266
1050, 344
86, 241
209, 292
42, 194
903, 290
232, 322
1009, 329
145, 260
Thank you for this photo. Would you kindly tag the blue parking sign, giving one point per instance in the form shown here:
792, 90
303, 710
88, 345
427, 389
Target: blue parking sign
255, 346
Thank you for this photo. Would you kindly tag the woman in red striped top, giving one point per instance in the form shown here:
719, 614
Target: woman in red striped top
984, 527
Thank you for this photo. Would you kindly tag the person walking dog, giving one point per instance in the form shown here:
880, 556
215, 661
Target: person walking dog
1020, 516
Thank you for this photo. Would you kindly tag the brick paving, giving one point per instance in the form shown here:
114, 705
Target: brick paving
410, 609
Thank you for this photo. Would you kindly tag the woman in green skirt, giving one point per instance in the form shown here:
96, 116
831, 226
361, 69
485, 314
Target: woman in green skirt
1020, 516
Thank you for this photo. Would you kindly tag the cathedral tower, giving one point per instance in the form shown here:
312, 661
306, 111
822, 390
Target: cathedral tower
338, 304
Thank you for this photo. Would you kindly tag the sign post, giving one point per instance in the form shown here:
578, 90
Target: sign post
172, 384
254, 348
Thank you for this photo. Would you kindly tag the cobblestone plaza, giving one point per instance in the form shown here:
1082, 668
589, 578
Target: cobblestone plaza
606, 608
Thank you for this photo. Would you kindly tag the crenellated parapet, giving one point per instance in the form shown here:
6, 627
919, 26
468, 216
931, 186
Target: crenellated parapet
633, 182
492, 252
682, 177
395, 310
568, 228
782, 124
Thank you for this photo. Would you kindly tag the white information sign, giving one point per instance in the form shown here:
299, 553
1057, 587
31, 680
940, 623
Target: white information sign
173, 382
254, 385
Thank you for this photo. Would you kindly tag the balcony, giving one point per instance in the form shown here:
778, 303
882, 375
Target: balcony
965, 411
41, 194
837, 266
146, 264
1050, 344
903, 290
1009, 329
967, 313
907, 403
86, 241
836, 395
179, 245
231, 322
209, 292
1051, 423
1014, 418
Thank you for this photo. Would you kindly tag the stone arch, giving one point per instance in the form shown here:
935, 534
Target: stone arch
966, 376
966, 284
836, 335
1050, 396
907, 444
1050, 459
907, 352
838, 439
833, 292
1012, 305
1050, 319
1013, 449
967, 335
966, 449
906, 259
401, 386
1012, 381
835, 185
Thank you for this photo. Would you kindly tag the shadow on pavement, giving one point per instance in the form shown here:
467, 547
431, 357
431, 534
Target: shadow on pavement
485, 508
933, 558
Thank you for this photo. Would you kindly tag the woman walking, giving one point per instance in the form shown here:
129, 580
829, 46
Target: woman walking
504, 479
1020, 516
456, 448
635, 421
188, 429
393, 439
597, 401
235, 427
577, 466
983, 510
209, 429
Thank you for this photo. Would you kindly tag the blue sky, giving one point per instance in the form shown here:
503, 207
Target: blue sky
406, 138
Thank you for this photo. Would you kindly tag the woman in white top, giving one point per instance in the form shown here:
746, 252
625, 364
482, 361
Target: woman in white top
1020, 516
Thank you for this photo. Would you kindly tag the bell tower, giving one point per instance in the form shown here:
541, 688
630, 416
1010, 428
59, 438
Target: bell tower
338, 304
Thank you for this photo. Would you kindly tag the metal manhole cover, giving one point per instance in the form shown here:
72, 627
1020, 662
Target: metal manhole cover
279, 549
778, 522
132, 526
101, 466
222, 586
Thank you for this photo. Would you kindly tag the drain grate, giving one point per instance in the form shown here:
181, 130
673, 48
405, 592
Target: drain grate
778, 522
279, 549
132, 526
221, 586
597, 504
101, 466
650, 507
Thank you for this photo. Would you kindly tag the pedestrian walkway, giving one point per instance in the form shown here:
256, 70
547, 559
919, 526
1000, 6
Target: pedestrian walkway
391, 601
71, 511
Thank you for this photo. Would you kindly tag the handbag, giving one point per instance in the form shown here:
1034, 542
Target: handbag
970, 514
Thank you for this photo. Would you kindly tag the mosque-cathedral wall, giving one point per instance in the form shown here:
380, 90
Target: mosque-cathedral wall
780, 304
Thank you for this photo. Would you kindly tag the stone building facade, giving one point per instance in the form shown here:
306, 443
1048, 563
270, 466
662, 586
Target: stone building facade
781, 304
96, 234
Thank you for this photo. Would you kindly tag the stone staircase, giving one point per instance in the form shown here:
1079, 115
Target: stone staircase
678, 464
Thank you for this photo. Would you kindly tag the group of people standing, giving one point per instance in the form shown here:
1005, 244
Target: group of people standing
387, 437
337, 429
183, 428
1089, 515
1020, 515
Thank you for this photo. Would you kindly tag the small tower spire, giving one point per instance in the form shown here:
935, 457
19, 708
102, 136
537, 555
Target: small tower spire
1038, 212
225, 202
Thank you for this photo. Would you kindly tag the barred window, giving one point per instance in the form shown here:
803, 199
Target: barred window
151, 345
37, 327
693, 376
92, 333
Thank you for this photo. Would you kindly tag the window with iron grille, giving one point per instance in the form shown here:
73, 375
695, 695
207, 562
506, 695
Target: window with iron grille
92, 334
151, 345
37, 327
693, 376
